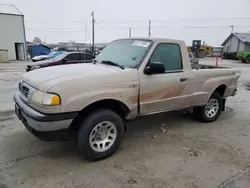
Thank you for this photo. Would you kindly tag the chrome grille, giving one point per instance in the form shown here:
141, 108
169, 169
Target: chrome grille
24, 90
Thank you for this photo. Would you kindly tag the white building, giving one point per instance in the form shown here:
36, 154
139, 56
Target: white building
12, 32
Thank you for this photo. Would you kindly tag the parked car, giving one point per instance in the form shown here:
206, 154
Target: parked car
193, 58
90, 102
51, 55
62, 59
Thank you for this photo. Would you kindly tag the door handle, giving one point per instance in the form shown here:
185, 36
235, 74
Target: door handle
183, 79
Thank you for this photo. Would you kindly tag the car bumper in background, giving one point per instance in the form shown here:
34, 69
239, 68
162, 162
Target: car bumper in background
43, 126
235, 92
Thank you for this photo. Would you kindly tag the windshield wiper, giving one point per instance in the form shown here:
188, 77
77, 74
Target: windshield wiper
112, 63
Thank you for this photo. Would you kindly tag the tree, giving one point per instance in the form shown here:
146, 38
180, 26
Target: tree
37, 40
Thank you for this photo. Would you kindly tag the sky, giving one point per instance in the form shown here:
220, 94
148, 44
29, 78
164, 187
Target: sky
63, 20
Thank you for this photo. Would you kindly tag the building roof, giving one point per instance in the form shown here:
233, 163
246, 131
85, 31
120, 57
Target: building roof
9, 9
244, 37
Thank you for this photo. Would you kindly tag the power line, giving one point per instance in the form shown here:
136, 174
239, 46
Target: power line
58, 28
153, 27
54, 21
129, 21
181, 19
55, 30
135, 27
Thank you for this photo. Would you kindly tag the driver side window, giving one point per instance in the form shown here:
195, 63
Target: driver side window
169, 55
72, 57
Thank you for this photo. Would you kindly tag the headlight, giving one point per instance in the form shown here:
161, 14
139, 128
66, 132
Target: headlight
46, 98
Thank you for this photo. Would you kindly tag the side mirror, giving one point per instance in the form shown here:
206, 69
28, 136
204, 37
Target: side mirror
155, 68
65, 59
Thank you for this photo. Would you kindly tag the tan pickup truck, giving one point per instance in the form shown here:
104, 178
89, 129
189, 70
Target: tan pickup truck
90, 103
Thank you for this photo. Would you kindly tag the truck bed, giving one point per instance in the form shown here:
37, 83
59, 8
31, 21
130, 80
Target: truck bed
200, 66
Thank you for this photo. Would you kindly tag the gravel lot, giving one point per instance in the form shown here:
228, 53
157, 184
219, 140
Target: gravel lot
157, 152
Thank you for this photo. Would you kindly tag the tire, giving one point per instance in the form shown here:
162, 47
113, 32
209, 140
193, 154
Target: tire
225, 55
201, 54
234, 56
248, 60
205, 115
94, 142
243, 60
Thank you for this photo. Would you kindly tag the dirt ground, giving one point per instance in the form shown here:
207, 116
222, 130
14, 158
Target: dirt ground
166, 150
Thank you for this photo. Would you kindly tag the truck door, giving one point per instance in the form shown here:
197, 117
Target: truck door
167, 91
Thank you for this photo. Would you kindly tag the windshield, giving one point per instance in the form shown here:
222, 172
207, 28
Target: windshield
59, 57
54, 54
127, 53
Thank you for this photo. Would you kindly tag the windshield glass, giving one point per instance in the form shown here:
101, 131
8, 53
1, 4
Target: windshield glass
54, 54
60, 56
51, 54
127, 53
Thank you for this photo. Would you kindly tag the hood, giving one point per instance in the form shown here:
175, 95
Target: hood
41, 63
88, 73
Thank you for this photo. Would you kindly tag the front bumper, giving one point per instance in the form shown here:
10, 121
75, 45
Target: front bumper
43, 126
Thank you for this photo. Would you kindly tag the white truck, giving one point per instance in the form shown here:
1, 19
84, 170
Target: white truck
90, 103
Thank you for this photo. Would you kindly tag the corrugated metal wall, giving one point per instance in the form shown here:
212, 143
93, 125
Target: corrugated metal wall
11, 32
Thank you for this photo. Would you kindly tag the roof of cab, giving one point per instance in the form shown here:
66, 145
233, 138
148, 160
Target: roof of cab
151, 38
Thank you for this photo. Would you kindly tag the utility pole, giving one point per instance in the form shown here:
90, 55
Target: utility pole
86, 27
232, 28
129, 31
93, 32
149, 28
44, 39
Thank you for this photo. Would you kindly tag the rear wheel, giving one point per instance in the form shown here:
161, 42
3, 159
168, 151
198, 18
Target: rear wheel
248, 60
243, 60
211, 111
100, 134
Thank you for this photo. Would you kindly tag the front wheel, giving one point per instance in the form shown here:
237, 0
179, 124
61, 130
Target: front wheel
211, 111
100, 134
